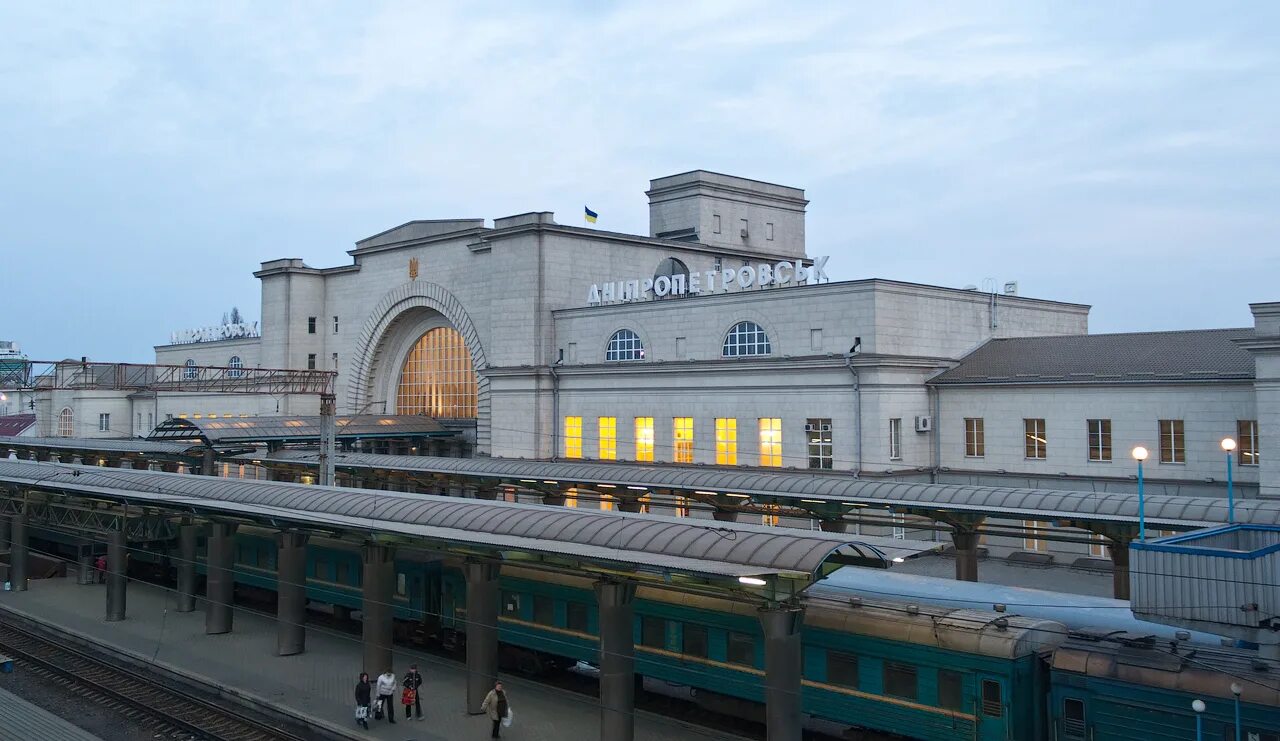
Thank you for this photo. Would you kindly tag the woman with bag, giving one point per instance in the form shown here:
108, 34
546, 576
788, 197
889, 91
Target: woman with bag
364, 692
499, 710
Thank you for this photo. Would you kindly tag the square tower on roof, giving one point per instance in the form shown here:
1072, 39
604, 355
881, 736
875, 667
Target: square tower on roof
723, 210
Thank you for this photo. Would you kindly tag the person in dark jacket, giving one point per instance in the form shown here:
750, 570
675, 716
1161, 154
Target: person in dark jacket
413, 681
364, 699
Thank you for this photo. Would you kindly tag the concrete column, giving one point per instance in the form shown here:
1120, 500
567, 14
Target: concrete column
627, 504
782, 661
724, 515
1120, 568
617, 660
966, 542
219, 592
833, 526
117, 559
328, 430
187, 535
482, 632
18, 552
5, 531
291, 593
379, 577
209, 463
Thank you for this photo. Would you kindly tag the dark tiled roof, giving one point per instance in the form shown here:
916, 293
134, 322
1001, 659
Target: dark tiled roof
1139, 357
14, 424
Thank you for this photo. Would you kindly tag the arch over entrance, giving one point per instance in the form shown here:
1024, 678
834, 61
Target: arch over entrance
400, 319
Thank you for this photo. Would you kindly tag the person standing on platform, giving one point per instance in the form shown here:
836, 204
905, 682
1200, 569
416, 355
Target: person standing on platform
363, 700
100, 566
412, 684
386, 689
496, 705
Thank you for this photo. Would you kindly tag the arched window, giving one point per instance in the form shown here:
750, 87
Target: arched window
671, 266
437, 379
746, 338
66, 422
191, 372
624, 345
236, 366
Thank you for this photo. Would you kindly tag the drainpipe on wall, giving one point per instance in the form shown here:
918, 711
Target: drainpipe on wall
555, 407
857, 414
935, 437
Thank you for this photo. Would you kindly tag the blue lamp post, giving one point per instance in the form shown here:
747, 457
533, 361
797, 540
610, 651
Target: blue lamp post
1229, 445
1236, 689
1140, 455
1198, 706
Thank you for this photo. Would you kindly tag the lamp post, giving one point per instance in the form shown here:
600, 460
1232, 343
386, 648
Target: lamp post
1236, 689
1229, 445
1140, 455
1198, 706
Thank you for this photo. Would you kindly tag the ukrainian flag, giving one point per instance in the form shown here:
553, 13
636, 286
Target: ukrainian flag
590, 215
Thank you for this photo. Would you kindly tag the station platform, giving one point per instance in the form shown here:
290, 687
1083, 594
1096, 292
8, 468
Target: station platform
23, 721
318, 684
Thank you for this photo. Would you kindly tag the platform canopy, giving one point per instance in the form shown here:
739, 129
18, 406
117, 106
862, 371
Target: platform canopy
244, 430
94, 447
777, 563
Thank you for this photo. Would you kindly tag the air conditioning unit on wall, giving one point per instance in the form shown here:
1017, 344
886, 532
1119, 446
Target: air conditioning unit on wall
924, 424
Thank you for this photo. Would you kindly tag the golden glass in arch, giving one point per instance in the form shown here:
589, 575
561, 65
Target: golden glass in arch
437, 379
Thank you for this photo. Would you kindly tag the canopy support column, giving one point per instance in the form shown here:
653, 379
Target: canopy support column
965, 537
782, 661
187, 535
219, 592
482, 631
379, 575
1119, 548
18, 551
117, 558
617, 659
291, 593
328, 433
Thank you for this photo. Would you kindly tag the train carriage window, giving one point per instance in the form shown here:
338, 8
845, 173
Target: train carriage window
322, 568
653, 632
402, 585
1073, 725
740, 649
576, 616
842, 669
544, 610
695, 641
344, 572
511, 604
900, 680
950, 690
992, 706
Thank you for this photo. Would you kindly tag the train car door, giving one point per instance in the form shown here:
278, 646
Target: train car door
992, 705
1072, 719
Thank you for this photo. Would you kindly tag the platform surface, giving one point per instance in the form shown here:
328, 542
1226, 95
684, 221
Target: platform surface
317, 684
22, 721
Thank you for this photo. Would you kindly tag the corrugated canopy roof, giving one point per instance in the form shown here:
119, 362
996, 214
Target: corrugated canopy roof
238, 430
632, 542
1138, 357
96, 444
775, 486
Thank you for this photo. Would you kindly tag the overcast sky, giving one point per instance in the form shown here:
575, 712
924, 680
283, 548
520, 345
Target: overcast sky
1123, 155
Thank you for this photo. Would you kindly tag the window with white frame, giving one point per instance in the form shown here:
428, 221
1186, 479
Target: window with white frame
1173, 441
975, 444
624, 345
1035, 444
1034, 540
1247, 441
335, 325
190, 373
104, 422
895, 439
1099, 439
236, 365
746, 339
817, 432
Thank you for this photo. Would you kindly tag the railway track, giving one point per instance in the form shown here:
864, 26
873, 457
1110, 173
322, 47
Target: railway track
175, 714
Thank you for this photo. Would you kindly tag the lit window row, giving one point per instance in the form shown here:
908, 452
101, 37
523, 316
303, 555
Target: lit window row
817, 435
1171, 440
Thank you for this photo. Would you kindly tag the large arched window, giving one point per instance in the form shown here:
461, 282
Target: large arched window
746, 338
66, 422
191, 372
236, 366
437, 379
624, 345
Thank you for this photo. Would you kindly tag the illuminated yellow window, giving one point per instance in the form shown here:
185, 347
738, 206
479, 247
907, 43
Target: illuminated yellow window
726, 441
770, 441
644, 438
682, 427
573, 437
608, 438
771, 520
606, 505
682, 506
571, 496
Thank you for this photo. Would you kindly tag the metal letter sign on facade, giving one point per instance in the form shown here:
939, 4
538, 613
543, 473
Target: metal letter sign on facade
413, 268
710, 281
213, 334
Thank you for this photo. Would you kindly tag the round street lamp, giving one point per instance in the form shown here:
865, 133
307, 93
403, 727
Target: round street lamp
1140, 455
1236, 689
1229, 445
1198, 706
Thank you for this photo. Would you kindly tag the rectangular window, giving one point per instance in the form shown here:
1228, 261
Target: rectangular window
742, 228
1033, 540
402, 585
311, 361
1173, 441
1098, 547
815, 340
1099, 439
770, 441
1247, 441
576, 614
950, 690
900, 680
573, 437
139, 420
151, 420
694, 642
608, 438
715, 223
740, 648
975, 444
726, 441
311, 325
653, 632
1035, 444
335, 362
104, 423
682, 434
544, 610
768, 230
817, 435
895, 439
335, 325
842, 669
1073, 725
644, 438
992, 705
344, 571
511, 604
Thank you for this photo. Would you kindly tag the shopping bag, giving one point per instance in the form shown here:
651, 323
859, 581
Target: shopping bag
377, 710
506, 722
362, 712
